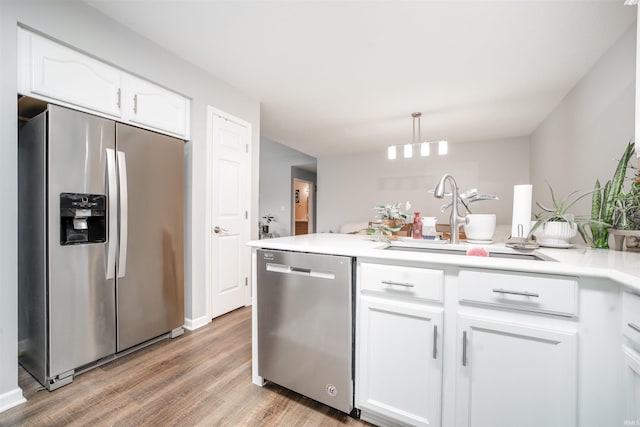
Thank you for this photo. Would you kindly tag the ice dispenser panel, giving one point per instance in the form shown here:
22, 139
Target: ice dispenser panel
82, 218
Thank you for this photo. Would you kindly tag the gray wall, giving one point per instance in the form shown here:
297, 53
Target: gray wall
350, 186
585, 135
276, 185
8, 215
81, 26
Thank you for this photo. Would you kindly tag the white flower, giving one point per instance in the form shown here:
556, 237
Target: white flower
407, 206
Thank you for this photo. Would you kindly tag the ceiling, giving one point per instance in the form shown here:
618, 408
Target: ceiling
337, 77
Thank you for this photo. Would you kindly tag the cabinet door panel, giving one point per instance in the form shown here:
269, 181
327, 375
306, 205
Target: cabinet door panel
631, 393
399, 376
69, 76
156, 107
515, 375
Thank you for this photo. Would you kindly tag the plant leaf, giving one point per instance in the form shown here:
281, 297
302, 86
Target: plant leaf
596, 201
618, 180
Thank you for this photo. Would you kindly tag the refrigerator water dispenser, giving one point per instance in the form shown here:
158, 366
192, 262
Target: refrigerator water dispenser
82, 218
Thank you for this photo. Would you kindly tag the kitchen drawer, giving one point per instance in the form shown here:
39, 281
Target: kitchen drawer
631, 316
521, 291
411, 282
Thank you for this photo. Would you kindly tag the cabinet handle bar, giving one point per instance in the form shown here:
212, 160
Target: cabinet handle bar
634, 327
391, 282
435, 341
464, 348
521, 293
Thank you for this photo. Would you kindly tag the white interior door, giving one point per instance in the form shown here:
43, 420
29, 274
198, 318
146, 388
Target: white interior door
230, 258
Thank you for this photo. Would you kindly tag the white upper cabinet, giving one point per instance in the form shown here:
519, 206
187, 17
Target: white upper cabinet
62, 74
53, 72
158, 108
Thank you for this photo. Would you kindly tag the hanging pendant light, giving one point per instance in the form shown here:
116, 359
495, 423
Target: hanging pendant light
425, 146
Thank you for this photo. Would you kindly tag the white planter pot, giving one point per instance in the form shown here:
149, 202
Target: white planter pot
554, 232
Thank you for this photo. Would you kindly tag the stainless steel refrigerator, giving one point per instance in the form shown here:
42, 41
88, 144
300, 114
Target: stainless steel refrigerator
100, 241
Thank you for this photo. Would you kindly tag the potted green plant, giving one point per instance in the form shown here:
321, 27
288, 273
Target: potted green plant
389, 219
603, 204
626, 217
265, 224
555, 225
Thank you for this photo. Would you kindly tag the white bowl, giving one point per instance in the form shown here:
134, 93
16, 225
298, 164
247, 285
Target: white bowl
480, 226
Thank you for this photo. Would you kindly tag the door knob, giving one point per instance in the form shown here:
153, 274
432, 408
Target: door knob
217, 229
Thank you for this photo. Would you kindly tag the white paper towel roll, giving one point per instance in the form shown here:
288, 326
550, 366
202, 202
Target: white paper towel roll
521, 209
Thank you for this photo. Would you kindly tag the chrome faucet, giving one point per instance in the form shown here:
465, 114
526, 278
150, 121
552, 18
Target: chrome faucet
456, 221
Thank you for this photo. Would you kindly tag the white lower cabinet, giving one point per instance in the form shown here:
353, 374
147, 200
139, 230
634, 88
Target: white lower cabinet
631, 393
512, 374
399, 374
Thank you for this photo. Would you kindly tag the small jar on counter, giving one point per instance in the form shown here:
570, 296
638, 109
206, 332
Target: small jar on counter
417, 226
429, 228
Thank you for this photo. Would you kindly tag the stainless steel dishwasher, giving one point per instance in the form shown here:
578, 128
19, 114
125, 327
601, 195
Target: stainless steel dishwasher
305, 324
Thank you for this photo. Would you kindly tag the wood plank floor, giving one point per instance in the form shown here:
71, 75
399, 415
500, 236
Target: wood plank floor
202, 378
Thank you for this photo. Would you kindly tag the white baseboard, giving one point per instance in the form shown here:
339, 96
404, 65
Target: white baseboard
191, 324
11, 398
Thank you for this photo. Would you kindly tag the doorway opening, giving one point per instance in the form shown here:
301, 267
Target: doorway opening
302, 202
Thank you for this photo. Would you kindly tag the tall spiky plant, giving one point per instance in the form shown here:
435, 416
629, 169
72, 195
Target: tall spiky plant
603, 203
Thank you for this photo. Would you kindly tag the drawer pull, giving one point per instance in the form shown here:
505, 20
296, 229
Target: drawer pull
464, 348
391, 282
634, 327
435, 341
521, 293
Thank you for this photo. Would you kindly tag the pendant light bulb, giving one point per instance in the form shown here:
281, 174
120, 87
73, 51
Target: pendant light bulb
408, 151
442, 148
391, 152
424, 149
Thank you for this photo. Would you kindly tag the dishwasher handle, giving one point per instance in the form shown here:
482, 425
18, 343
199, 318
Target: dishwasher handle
288, 269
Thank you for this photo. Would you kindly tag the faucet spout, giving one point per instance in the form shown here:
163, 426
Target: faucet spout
455, 220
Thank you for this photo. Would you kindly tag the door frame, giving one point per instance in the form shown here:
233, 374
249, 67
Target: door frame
246, 258
310, 205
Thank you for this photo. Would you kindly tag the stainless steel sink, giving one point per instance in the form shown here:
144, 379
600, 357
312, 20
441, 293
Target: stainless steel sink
444, 250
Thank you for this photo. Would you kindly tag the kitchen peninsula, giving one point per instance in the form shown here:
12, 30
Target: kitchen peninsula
447, 339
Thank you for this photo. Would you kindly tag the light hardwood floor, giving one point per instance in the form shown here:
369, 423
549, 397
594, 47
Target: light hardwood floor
202, 378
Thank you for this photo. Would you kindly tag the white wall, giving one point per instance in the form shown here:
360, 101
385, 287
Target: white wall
350, 186
585, 135
276, 161
81, 26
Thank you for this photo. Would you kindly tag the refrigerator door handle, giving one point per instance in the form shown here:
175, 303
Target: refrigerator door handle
112, 212
124, 205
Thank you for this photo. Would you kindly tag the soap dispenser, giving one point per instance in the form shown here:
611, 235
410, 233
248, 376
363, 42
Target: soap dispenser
417, 226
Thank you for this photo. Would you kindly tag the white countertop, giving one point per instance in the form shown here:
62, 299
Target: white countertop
621, 267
